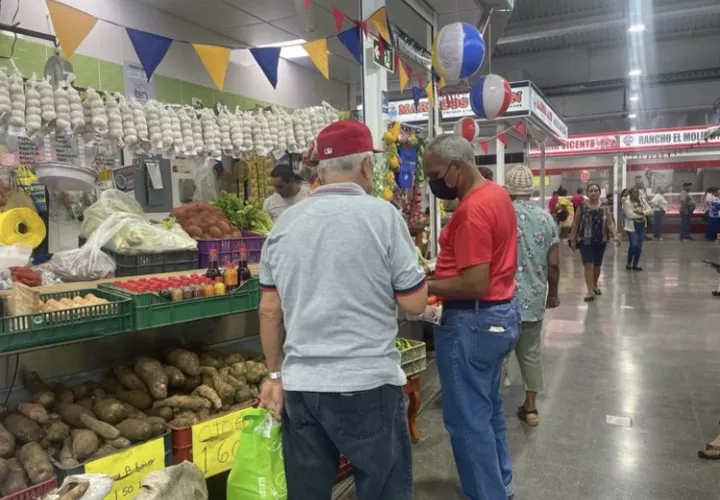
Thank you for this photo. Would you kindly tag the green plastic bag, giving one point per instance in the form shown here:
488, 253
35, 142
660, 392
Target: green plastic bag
259, 469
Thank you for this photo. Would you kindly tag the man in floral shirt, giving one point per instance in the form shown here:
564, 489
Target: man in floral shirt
537, 278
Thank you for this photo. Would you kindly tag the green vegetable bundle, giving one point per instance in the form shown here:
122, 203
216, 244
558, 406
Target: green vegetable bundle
244, 215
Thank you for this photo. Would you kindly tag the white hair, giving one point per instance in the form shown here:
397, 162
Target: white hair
447, 147
348, 164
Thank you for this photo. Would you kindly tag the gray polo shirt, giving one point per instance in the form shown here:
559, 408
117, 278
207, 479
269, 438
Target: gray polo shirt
338, 259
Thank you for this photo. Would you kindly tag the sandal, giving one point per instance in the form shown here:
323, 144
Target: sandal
589, 299
711, 454
530, 417
598, 292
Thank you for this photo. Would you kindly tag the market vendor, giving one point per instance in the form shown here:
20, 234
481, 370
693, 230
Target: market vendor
289, 189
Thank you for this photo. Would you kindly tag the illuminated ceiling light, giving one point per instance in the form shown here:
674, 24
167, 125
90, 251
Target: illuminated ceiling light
636, 28
634, 98
633, 128
635, 72
289, 50
632, 116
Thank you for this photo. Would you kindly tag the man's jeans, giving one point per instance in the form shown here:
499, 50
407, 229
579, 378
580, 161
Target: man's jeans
369, 428
658, 218
470, 346
685, 220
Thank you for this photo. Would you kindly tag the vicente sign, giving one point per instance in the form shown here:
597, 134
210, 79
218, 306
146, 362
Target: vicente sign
576, 145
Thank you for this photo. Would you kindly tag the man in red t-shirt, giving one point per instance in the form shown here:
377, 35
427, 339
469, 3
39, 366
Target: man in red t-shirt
475, 276
578, 199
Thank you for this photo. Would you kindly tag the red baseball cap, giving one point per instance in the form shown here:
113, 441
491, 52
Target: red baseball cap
342, 138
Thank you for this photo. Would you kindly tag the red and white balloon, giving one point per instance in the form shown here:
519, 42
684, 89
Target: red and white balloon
490, 97
467, 128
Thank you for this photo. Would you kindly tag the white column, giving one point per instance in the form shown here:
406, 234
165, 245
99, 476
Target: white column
500, 154
542, 175
434, 128
616, 188
374, 81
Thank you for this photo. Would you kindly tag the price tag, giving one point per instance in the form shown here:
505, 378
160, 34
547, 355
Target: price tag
128, 468
215, 443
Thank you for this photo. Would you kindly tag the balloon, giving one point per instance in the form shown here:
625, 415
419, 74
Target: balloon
458, 51
490, 97
467, 128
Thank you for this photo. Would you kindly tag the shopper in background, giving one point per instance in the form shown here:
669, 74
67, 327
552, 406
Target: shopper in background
659, 205
334, 269
592, 227
536, 282
552, 204
475, 276
565, 212
288, 190
712, 202
687, 209
637, 210
578, 199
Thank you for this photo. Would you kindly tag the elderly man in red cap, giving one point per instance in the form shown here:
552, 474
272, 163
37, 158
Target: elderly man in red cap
333, 272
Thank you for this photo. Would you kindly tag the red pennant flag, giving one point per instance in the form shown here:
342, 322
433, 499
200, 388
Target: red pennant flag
307, 4
339, 18
503, 138
397, 58
520, 128
408, 70
381, 47
421, 81
363, 25
484, 146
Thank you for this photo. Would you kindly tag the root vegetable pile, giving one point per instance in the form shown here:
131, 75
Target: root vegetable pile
203, 221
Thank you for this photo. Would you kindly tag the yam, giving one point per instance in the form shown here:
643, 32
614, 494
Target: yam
103, 451
120, 443
180, 423
191, 383
165, 413
139, 399
7, 442
134, 412
44, 398
73, 490
112, 385
98, 393
193, 402
34, 411
233, 358
135, 430
254, 390
208, 381
222, 388
207, 360
255, 372
102, 429
80, 391
71, 414
35, 462
203, 415
64, 396
4, 411
209, 393
66, 457
152, 373
187, 361
158, 425
57, 432
33, 383
129, 378
110, 410
24, 429
4, 468
14, 479
84, 443
243, 394
86, 403
238, 370
175, 376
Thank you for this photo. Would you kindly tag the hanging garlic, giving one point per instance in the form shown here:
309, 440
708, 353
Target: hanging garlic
186, 126
5, 107
176, 130
207, 119
141, 124
153, 123
130, 135
17, 100
88, 132
77, 114
33, 109
289, 132
63, 124
97, 112
247, 130
223, 122
236, 133
115, 120
47, 101
258, 133
197, 130
165, 127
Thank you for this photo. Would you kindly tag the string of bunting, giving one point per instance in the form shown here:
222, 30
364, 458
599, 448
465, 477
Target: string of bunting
519, 127
72, 26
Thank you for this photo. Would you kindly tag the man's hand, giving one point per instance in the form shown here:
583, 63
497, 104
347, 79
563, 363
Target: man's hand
272, 397
617, 240
573, 244
552, 302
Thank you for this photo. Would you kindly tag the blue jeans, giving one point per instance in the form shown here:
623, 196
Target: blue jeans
369, 428
470, 346
713, 228
658, 218
636, 239
685, 226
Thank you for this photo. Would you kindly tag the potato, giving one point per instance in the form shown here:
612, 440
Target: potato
175, 376
103, 451
135, 430
233, 358
255, 371
3, 412
139, 399
35, 462
151, 372
7, 442
84, 443
44, 398
112, 385
110, 410
102, 429
57, 432
33, 411
64, 396
24, 429
4, 468
187, 361
81, 391
134, 412
193, 402
222, 388
208, 393
15, 479
191, 383
33, 383
203, 415
98, 393
129, 378
208, 360
66, 457
159, 426
71, 414
165, 413
86, 403
243, 394
120, 443
238, 370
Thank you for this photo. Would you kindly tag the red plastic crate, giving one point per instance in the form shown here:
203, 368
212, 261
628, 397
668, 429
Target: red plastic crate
253, 243
34, 492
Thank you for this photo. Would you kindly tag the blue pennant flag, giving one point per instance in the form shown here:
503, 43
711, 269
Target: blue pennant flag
417, 94
150, 49
352, 40
268, 58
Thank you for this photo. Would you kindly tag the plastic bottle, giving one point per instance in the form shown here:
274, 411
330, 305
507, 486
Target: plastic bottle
177, 294
219, 286
243, 270
213, 270
208, 288
230, 278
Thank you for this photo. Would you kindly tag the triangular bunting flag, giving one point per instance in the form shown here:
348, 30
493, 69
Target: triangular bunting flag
71, 26
352, 41
421, 81
430, 94
397, 60
441, 83
417, 93
404, 78
363, 25
484, 146
307, 4
216, 60
520, 128
503, 138
150, 49
380, 21
317, 50
339, 18
268, 59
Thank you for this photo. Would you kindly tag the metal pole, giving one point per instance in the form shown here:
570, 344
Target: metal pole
542, 175
616, 188
434, 128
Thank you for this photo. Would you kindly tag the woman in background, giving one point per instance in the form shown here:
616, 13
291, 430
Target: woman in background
659, 205
636, 211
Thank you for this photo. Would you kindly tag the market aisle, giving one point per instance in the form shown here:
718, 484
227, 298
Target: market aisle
648, 353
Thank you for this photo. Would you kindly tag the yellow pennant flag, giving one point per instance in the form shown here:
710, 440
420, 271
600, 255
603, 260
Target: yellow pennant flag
380, 21
441, 83
404, 78
71, 25
430, 94
317, 50
216, 60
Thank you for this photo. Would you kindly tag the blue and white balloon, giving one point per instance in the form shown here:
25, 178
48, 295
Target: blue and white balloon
490, 97
458, 51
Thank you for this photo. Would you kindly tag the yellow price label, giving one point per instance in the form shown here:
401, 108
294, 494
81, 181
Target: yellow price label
215, 443
128, 468
536, 181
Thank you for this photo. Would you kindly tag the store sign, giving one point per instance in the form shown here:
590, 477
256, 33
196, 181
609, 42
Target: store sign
215, 443
582, 145
137, 85
387, 59
664, 139
548, 116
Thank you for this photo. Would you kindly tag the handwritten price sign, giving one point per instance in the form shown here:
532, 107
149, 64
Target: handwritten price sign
128, 468
215, 443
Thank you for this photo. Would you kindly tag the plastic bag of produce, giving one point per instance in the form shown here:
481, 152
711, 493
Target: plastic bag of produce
178, 482
14, 255
259, 470
131, 234
110, 202
83, 487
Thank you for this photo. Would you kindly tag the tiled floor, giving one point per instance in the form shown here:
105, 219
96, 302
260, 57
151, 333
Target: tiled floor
649, 350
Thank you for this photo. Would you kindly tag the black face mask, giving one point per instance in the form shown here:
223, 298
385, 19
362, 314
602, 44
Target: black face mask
440, 188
